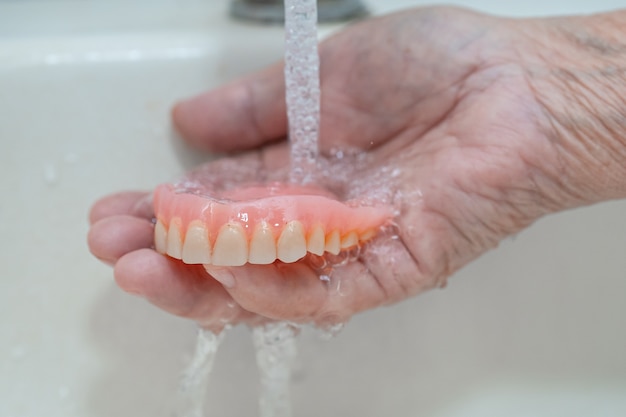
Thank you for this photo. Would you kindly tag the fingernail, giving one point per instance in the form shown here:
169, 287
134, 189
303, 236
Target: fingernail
223, 275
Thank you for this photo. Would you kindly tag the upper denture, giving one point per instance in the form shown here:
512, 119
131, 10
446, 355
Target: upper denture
259, 224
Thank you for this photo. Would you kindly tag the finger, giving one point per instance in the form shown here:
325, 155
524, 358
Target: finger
184, 290
112, 237
239, 116
127, 202
295, 292
278, 291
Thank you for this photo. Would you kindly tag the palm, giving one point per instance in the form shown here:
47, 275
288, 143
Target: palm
456, 120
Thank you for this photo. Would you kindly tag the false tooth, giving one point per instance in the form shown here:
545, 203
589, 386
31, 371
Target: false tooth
349, 240
367, 235
160, 237
262, 245
196, 249
316, 242
231, 246
333, 243
291, 244
174, 240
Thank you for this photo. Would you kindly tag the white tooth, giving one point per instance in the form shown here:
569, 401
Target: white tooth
333, 243
349, 240
367, 235
291, 244
316, 241
196, 249
231, 246
262, 245
160, 237
174, 240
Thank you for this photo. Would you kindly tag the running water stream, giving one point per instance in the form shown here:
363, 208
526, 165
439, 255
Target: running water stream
302, 81
275, 343
192, 389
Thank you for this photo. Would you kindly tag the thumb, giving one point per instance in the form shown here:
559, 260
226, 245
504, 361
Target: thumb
242, 115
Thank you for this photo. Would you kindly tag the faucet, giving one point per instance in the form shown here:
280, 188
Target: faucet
273, 11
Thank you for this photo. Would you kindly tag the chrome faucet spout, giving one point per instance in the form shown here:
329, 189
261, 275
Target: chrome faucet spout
273, 11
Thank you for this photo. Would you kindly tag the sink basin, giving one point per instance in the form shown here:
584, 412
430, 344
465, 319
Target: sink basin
535, 328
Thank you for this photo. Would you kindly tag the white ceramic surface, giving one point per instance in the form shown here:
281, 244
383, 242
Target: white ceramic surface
535, 328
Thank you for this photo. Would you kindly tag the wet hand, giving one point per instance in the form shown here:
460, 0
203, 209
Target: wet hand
455, 112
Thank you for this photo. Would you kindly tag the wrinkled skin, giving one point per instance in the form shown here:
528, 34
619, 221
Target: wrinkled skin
445, 95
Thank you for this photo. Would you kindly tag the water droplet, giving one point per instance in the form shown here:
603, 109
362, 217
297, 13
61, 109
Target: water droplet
317, 262
63, 392
18, 352
71, 158
50, 174
330, 331
338, 260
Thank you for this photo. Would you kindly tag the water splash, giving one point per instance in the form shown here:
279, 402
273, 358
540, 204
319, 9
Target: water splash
195, 379
302, 83
275, 345
330, 331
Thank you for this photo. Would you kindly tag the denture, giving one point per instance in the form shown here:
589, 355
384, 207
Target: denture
259, 224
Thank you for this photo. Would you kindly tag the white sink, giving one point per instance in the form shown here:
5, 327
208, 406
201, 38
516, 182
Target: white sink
536, 328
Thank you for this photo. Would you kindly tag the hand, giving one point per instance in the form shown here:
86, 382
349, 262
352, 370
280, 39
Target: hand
459, 116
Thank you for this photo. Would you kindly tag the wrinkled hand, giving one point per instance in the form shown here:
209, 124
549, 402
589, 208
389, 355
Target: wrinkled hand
441, 95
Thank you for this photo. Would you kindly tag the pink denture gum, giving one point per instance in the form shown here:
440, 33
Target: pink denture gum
259, 224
